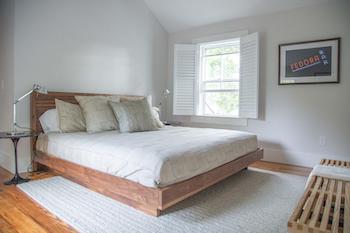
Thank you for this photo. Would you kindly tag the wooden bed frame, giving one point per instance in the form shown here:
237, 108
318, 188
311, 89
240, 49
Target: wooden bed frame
149, 200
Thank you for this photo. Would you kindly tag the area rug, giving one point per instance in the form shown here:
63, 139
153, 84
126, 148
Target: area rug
250, 201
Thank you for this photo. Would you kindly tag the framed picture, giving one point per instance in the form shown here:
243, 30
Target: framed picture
309, 62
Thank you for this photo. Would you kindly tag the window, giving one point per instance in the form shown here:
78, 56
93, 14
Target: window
219, 78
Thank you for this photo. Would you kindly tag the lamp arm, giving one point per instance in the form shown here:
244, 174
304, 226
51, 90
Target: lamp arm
14, 125
24, 96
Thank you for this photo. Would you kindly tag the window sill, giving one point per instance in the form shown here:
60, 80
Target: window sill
220, 120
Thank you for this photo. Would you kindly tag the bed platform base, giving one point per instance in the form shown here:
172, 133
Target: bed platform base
149, 200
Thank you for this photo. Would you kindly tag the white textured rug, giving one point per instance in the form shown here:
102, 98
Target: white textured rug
250, 201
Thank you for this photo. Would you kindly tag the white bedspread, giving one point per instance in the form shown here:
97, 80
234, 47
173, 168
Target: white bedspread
154, 158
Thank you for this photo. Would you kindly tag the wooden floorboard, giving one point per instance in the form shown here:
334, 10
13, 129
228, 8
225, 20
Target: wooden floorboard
6, 227
18, 213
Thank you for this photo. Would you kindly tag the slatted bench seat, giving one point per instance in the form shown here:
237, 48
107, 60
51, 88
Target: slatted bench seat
324, 206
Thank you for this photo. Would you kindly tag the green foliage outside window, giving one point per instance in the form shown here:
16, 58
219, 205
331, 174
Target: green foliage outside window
221, 64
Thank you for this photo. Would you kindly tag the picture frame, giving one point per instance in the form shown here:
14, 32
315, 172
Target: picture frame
309, 62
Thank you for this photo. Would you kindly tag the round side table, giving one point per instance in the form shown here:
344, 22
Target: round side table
15, 137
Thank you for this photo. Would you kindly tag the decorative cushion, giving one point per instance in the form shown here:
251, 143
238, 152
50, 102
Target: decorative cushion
49, 121
134, 116
97, 112
154, 110
70, 117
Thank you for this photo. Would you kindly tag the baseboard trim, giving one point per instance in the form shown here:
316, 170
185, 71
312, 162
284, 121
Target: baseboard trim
282, 167
6, 171
4, 153
6, 161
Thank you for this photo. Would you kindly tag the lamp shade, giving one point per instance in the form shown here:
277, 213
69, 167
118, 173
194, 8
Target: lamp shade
39, 89
166, 92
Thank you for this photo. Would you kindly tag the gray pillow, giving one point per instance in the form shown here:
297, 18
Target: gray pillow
134, 116
70, 117
154, 110
97, 112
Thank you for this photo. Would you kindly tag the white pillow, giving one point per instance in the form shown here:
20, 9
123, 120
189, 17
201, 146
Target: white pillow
155, 113
49, 121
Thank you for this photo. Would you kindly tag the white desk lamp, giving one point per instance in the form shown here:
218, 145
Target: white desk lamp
36, 88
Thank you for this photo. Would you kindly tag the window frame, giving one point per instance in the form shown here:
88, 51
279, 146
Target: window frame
204, 120
200, 83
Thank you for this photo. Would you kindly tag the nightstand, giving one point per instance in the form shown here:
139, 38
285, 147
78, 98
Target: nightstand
15, 137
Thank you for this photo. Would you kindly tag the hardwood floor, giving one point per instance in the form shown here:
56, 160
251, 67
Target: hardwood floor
18, 213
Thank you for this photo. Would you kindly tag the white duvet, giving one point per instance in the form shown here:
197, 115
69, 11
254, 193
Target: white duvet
154, 158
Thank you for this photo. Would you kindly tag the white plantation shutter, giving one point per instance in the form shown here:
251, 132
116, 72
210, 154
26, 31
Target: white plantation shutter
185, 63
249, 76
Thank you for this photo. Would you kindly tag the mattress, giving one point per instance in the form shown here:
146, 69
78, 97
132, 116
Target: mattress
154, 158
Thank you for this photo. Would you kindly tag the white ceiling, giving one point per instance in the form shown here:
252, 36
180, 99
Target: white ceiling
177, 15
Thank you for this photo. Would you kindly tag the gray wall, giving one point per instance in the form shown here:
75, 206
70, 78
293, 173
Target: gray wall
292, 117
109, 46
6, 78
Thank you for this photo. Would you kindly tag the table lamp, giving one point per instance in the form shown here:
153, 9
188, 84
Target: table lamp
36, 88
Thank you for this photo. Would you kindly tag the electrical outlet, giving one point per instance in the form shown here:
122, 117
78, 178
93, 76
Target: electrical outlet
323, 140
2, 84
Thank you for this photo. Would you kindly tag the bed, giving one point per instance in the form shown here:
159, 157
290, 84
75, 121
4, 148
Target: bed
149, 171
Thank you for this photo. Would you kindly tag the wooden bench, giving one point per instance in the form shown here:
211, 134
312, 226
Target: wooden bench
325, 205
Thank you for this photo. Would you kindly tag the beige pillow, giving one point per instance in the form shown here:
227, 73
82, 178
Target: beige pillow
154, 110
97, 112
70, 117
134, 116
